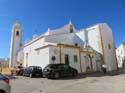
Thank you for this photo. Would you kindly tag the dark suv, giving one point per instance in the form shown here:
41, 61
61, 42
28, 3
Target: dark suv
59, 70
32, 71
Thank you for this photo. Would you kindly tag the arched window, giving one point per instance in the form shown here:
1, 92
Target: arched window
17, 33
71, 29
109, 46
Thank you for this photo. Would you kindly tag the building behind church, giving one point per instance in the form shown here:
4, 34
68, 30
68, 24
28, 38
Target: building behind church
120, 54
4, 62
86, 49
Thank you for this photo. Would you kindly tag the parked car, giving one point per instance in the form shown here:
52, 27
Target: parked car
59, 70
4, 84
33, 71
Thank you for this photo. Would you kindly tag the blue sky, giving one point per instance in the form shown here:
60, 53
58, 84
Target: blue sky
36, 16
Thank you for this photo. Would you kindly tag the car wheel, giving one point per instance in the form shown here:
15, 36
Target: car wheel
31, 75
41, 75
75, 74
1, 91
50, 77
56, 75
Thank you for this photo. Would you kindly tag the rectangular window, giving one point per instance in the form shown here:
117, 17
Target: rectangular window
75, 58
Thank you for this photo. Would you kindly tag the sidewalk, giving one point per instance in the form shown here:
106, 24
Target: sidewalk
99, 74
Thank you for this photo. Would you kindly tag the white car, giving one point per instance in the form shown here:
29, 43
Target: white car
4, 84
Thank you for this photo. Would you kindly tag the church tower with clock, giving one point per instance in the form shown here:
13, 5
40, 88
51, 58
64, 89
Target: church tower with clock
16, 43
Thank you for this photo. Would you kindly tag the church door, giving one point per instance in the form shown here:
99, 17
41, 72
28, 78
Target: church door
89, 66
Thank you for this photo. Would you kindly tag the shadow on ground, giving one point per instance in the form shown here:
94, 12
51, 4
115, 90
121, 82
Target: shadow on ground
96, 74
12, 77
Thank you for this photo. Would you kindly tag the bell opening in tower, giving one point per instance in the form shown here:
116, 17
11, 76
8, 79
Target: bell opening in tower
17, 33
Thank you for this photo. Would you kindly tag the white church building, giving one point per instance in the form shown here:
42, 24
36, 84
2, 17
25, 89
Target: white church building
81, 49
120, 54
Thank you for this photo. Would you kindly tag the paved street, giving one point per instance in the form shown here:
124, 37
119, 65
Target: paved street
81, 84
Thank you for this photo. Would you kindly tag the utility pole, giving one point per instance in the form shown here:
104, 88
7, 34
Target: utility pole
0, 68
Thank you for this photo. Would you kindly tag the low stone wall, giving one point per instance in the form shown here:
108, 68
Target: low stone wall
6, 70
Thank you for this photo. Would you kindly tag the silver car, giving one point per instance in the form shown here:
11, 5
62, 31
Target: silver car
4, 84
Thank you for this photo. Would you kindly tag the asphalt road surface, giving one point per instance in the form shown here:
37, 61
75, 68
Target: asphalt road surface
81, 84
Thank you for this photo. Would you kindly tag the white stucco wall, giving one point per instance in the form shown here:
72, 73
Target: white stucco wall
120, 54
93, 37
38, 57
54, 51
109, 54
71, 52
83, 62
42, 57
20, 56
30, 50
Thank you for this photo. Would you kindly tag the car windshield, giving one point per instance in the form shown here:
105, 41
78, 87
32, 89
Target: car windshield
53, 66
37, 68
56, 66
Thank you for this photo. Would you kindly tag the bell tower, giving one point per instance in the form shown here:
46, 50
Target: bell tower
16, 43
